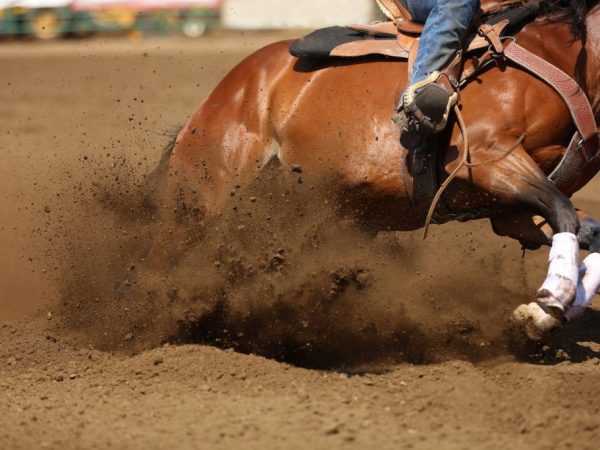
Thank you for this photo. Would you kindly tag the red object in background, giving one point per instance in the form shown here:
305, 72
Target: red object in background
143, 5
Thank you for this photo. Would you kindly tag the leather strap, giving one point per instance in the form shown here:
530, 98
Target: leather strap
450, 76
475, 64
569, 167
572, 94
488, 32
483, 39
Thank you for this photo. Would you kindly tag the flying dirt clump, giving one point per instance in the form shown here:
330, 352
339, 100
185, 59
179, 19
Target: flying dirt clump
278, 272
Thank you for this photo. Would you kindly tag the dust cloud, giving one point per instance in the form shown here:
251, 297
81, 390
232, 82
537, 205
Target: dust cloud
278, 272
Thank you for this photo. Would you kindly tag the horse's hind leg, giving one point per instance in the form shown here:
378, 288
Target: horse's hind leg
518, 181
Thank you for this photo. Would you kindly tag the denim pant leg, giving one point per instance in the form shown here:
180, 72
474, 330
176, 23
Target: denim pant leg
446, 23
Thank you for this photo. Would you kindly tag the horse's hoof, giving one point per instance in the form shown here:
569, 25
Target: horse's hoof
538, 321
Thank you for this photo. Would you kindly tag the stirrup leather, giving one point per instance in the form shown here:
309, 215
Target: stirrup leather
420, 117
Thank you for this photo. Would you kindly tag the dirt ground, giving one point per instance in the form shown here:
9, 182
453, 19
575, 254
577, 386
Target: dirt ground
76, 115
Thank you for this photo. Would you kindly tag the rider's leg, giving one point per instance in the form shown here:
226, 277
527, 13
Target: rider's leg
446, 24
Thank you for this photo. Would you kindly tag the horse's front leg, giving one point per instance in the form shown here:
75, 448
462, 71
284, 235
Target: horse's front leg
534, 231
556, 302
517, 181
558, 291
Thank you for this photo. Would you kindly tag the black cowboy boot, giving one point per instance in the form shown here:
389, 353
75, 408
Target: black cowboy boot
424, 109
426, 105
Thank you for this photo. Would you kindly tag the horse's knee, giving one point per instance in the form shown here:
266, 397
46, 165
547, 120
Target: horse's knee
558, 210
589, 233
567, 220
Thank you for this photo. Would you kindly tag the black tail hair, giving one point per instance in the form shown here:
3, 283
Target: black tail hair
572, 11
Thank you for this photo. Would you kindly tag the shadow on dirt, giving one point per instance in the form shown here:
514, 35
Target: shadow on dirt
577, 342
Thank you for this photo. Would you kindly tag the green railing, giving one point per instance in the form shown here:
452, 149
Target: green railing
51, 23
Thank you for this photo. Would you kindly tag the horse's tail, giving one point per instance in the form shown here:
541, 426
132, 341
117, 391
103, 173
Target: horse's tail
159, 174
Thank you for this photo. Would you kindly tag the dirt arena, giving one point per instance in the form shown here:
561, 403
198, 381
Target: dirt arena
332, 341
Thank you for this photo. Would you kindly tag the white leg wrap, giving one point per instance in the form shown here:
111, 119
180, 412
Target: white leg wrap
558, 291
560, 287
588, 287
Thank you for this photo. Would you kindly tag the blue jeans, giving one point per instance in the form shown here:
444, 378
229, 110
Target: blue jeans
446, 23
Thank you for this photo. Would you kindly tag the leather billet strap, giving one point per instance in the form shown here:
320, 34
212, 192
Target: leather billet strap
572, 94
586, 138
569, 167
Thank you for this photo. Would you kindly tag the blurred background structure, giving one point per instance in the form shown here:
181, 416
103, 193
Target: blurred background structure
253, 14
52, 19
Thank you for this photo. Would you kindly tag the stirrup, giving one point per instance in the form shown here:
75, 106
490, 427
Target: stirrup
427, 105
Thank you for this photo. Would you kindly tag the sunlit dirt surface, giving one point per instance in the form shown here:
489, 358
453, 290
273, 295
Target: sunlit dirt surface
327, 340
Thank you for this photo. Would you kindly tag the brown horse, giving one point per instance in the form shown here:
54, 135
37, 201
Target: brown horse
333, 120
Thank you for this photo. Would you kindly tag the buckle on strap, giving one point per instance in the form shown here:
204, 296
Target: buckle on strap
489, 33
590, 147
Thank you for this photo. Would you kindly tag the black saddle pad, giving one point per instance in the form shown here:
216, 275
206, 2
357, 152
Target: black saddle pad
320, 43
517, 17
